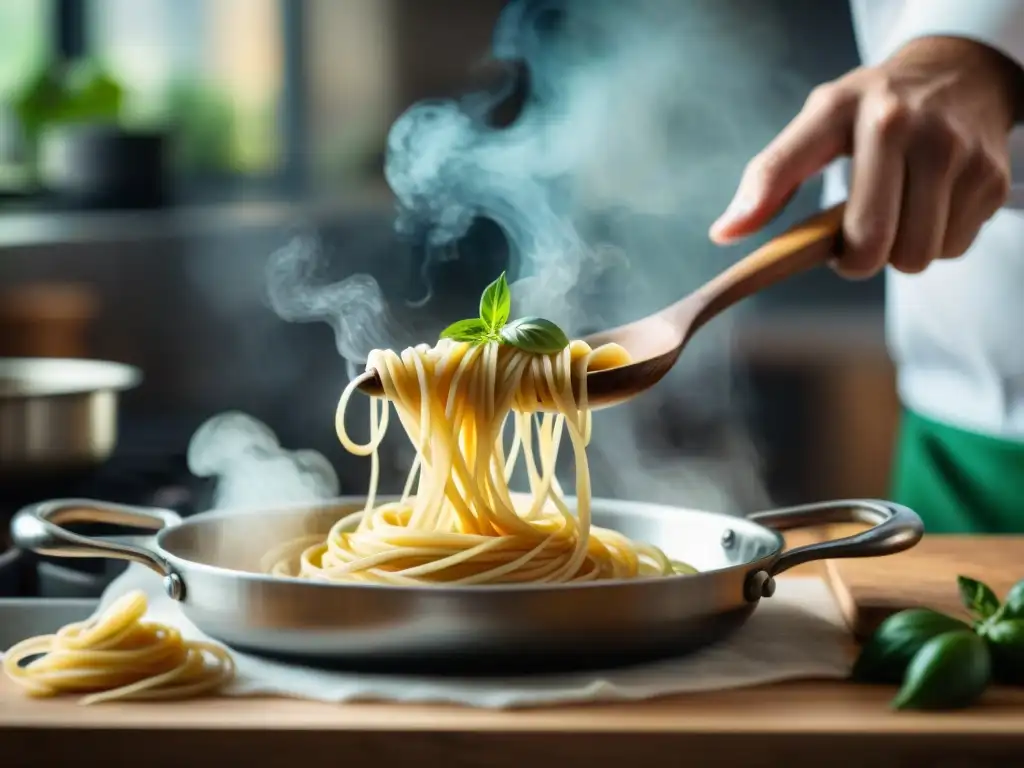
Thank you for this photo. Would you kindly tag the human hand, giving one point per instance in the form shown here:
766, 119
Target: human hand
927, 131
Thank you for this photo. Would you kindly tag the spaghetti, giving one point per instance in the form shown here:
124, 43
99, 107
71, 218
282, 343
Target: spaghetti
458, 522
116, 655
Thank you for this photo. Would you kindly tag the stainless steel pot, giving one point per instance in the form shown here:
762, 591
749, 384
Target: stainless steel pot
212, 564
58, 415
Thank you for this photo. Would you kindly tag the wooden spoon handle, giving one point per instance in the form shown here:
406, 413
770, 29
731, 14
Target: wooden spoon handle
808, 244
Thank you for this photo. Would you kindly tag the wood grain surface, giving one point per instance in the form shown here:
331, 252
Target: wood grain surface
869, 590
786, 722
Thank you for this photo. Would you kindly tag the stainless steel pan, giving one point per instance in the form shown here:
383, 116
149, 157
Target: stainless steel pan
58, 415
213, 565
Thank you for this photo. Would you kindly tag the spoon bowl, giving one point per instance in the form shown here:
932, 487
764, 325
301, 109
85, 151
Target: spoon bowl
655, 342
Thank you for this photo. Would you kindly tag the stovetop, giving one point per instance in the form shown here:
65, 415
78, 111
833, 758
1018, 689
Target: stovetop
142, 471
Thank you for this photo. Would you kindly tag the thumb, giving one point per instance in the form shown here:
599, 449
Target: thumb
753, 206
813, 139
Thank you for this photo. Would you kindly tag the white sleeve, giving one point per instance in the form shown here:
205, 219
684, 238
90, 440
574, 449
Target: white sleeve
998, 24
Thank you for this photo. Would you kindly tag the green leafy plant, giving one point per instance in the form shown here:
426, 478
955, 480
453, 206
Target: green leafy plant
1006, 642
885, 657
941, 662
530, 334
951, 670
1013, 608
978, 598
61, 94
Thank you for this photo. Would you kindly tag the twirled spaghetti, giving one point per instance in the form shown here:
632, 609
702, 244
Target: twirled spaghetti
458, 522
117, 655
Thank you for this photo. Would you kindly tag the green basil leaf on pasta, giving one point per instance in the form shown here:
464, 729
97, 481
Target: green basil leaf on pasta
536, 335
496, 304
472, 330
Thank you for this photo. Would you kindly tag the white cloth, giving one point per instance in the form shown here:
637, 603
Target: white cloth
955, 330
797, 633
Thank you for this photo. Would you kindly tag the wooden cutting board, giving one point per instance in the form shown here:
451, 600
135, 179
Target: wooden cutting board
871, 589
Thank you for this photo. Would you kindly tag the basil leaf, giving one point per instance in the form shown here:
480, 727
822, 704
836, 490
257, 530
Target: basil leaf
495, 304
886, 654
535, 334
1013, 607
1006, 642
465, 330
977, 597
950, 671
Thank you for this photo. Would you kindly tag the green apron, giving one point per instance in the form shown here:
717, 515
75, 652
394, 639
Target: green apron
959, 481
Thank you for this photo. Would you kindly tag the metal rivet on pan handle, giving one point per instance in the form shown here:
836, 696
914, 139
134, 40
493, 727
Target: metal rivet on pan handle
174, 587
758, 584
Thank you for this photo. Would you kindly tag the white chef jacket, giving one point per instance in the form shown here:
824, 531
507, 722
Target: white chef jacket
956, 331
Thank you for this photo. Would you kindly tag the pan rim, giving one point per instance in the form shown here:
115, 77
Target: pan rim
184, 566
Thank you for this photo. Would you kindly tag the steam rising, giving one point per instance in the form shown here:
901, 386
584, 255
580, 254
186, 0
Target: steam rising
625, 123
638, 119
636, 113
251, 467
354, 307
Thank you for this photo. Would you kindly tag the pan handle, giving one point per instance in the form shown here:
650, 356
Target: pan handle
40, 528
894, 529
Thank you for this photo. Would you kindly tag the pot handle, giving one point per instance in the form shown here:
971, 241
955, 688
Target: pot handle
40, 528
894, 529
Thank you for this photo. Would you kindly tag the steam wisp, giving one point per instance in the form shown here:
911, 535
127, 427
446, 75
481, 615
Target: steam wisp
614, 158
639, 117
252, 469
605, 184
354, 307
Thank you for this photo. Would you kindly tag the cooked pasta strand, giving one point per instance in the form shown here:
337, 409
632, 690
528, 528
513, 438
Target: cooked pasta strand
457, 521
117, 655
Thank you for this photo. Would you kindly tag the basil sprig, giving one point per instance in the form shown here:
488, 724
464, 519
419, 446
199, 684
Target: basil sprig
977, 597
941, 662
530, 334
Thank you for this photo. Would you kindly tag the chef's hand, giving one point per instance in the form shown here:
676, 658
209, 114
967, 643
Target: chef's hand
927, 131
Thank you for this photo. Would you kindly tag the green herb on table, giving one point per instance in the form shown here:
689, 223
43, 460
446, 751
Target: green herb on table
530, 334
1006, 642
1013, 608
941, 662
885, 657
978, 598
951, 670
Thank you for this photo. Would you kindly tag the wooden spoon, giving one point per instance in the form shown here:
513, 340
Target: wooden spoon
654, 342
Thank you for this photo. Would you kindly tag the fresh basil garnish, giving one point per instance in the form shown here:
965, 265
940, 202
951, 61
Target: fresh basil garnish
535, 334
886, 655
473, 331
940, 661
1006, 642
530, 334
977, 597
496, 304
1013, 606
950, 671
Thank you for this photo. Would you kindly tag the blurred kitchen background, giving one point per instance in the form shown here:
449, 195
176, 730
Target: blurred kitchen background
155, 153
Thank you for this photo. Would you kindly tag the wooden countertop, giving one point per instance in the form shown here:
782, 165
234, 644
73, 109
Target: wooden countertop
790, 722
804, 723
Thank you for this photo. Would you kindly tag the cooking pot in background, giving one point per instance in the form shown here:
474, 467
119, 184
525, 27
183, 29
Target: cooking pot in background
58, 415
